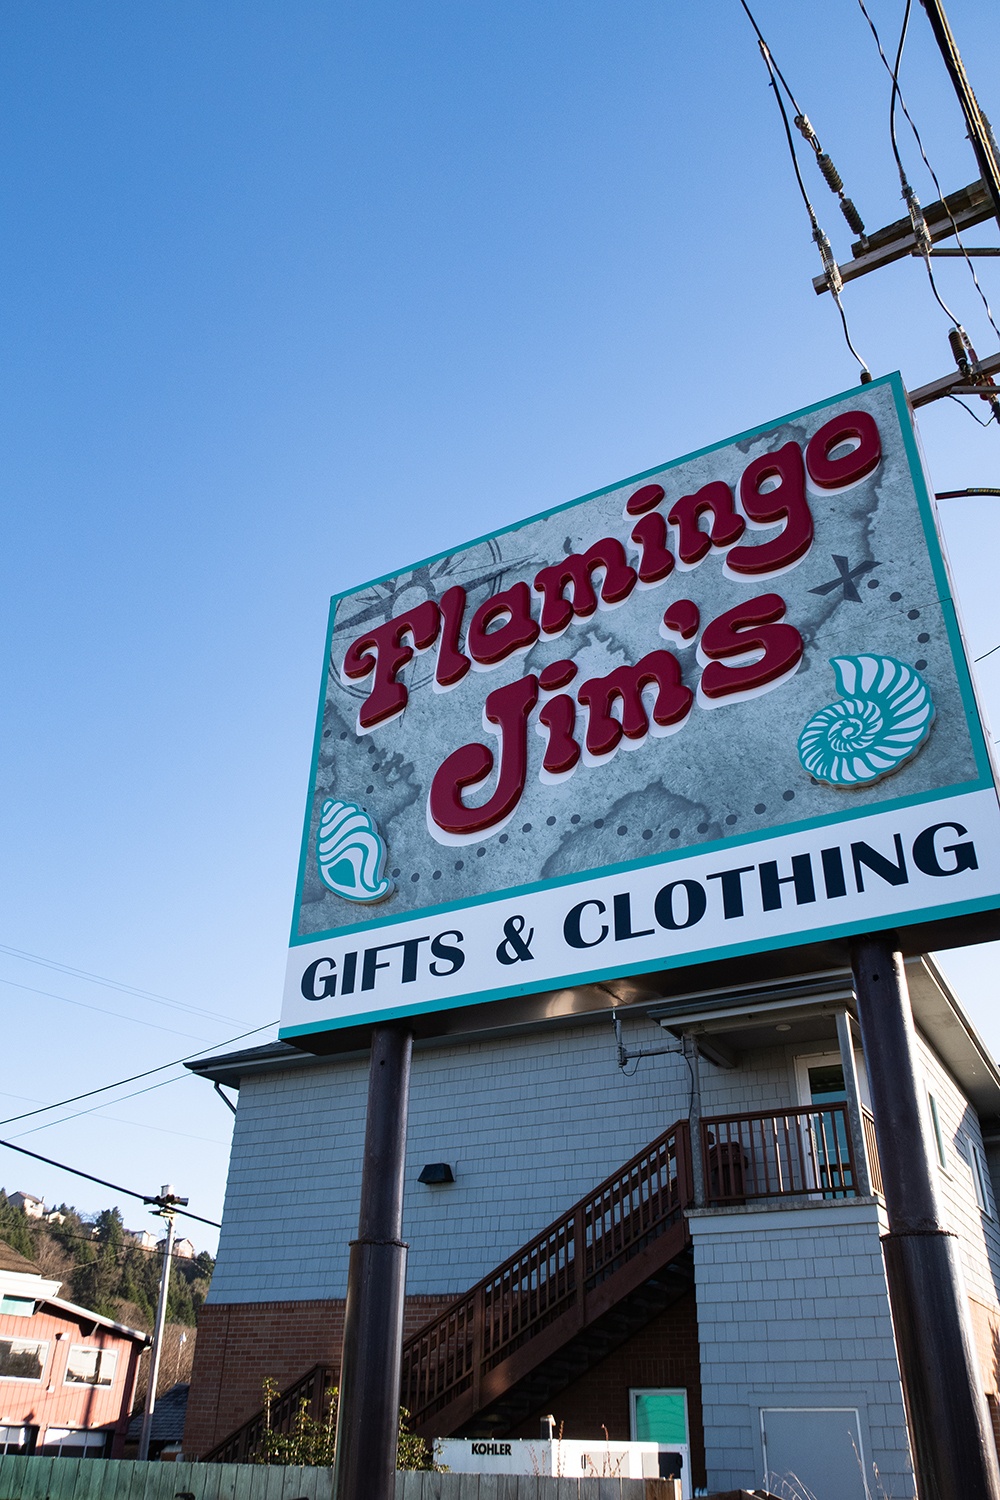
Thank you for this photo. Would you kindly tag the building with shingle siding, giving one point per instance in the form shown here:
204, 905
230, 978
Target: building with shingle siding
756, 1305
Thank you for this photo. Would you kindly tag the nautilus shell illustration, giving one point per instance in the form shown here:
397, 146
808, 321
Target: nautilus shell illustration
882, 719
350, 853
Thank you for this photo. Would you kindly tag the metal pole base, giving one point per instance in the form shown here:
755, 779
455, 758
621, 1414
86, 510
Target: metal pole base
368, 1417
365, 1464
955, 1455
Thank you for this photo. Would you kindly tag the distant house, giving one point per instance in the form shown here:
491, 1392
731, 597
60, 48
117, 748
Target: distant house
183, 1249
144, 1238
33, 1207
66, 1374
167, 1428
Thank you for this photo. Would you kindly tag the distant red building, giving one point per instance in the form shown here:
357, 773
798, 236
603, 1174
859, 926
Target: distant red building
67, 1375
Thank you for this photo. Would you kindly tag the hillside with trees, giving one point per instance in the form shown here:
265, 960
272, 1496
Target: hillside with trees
103, 1269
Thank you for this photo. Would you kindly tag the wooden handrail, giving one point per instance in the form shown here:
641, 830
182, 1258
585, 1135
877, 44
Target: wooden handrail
549, 1275
803, 1152
240, 1446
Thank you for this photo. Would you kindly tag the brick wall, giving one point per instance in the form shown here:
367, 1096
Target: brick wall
240, 1344
664, 1353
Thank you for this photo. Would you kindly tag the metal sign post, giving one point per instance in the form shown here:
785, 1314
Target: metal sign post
368, 1415
954, 1454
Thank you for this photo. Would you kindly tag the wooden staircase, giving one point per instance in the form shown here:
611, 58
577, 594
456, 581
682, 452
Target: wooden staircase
541, 1318
598, 1274
559, 1304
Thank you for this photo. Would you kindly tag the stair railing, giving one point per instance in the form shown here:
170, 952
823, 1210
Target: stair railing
548, 1275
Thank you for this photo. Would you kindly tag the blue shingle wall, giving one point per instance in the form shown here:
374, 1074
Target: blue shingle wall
793, 1310
529, 1124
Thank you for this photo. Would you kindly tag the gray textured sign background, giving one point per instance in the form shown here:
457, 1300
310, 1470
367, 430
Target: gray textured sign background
728, 771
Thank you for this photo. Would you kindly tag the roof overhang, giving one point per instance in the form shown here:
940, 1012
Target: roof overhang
738, 1015
729, 1022
84, 1315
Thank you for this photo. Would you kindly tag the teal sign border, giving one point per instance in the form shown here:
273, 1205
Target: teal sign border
982, 782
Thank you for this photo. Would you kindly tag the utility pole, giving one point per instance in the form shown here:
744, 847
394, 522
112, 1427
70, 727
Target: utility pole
168, 1203
954, 1456
979, 132
368, 1415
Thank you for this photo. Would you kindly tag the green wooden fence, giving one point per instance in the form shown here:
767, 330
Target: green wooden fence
111, 1479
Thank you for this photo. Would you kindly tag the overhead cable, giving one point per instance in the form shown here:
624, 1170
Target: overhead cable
112, 984
95, 1109
912, 203
117, 1119
114, 1186
804, 126
134, 1077
833, 277
100, 1009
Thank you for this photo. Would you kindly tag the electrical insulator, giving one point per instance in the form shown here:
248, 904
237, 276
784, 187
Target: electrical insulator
834, 280
852, 216
920, 231
833, 177
958, 349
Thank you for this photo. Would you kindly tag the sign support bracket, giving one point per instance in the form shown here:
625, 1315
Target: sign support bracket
950, 1436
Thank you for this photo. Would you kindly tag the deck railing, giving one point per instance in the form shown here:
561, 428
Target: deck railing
778, 1154
871, 1150
804, 1153
548, 1275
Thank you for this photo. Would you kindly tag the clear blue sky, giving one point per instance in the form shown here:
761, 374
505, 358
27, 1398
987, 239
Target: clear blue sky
296, 293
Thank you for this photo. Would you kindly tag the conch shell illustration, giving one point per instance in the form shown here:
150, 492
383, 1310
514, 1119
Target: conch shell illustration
350, 853
883, 718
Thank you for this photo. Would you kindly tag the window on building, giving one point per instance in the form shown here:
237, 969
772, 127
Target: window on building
938, 1132
89, 1366
18, 1307
22, 1359
73, 1442
16, 1439
977, 1166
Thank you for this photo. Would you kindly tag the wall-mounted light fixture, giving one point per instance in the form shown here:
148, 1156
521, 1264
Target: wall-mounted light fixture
436, 1172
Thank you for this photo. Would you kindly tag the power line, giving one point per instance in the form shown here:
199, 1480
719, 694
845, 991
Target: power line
803, 124
908, 194
114, 1186
134, 1078
833, 278
117, 1119
112, 984
59, 1234
101, 1010
95, 1110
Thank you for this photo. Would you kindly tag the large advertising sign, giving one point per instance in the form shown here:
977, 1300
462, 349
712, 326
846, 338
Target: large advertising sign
716, 709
